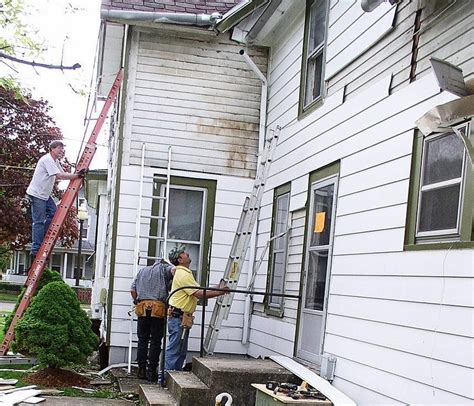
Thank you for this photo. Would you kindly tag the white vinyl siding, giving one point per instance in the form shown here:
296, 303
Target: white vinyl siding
196, 92
230, 196
393, 316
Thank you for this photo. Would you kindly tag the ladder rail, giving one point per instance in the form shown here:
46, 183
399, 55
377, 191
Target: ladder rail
59, 218
136, 255
168, 183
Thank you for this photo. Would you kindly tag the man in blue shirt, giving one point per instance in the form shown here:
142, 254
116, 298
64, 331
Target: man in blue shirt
149, 291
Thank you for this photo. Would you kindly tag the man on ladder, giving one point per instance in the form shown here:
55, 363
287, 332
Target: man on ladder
48, 170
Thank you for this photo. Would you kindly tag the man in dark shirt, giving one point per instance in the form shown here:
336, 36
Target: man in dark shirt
149, 291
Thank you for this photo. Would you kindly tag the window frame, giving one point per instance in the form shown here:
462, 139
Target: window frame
463, 236
209, 208
271, 308
304, 108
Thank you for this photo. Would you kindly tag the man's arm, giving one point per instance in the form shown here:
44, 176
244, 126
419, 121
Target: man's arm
134, 294
67, 176
209, 294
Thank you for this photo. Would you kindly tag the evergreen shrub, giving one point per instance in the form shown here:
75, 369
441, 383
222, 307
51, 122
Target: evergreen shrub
55, 329
47, 276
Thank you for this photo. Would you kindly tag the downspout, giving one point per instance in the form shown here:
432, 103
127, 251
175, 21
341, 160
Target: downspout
132, 16
261, 143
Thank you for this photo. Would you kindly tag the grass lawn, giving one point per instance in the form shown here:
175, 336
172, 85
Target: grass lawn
8, 297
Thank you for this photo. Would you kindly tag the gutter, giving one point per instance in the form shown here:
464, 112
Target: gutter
132, 16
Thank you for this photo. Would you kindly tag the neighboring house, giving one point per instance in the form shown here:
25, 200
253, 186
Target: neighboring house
63, 260
378, 204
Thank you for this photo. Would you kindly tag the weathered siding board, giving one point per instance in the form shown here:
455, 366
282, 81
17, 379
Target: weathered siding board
198, 91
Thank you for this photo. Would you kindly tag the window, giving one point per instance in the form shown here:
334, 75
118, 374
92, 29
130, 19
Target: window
441, 189
278, 249
312, 77
190, 218
55, 263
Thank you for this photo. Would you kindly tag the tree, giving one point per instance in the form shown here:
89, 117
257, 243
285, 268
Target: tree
55, 329
16, 41
47, 276
26, 129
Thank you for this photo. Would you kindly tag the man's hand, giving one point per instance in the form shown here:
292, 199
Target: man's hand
82, 173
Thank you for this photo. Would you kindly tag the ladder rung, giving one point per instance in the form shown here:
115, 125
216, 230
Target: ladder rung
152, 237
153, 217
148, 257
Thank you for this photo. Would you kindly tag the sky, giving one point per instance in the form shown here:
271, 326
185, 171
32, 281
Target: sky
69, 31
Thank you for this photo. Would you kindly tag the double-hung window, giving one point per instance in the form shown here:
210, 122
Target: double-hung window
314, 53
278, 249
441, 197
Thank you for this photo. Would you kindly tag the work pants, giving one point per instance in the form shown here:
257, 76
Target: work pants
149, 331
42, 212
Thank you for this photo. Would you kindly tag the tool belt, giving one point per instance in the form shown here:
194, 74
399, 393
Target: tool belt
187, 319
153, 308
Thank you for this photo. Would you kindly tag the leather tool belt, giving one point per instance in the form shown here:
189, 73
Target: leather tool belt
153, 308
187, 319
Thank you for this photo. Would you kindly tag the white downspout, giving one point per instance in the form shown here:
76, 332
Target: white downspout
261, 143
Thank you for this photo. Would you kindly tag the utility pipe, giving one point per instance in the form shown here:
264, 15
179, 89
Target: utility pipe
261, 143
132, 16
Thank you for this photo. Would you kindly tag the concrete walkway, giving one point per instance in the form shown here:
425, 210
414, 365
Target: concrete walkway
6, 306
72, 401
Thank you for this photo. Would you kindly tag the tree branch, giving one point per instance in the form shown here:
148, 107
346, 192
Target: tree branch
38, 64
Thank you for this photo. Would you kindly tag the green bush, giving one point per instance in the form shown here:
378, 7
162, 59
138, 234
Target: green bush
47, 277
55, 329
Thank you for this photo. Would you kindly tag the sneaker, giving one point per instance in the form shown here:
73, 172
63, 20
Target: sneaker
141, 373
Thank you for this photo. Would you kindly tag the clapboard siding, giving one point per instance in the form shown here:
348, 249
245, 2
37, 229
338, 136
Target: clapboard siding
230, 196
394, 317
197, 94
396, 389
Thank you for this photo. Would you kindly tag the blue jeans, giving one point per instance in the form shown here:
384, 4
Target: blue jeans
42, 212
176, 349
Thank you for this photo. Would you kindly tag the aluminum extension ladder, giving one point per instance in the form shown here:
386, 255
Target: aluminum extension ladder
161, 238
59, 218
248, 219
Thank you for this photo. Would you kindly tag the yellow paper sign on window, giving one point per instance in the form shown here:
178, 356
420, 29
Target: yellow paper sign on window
319, 221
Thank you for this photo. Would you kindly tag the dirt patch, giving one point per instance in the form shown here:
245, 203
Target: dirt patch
57, 378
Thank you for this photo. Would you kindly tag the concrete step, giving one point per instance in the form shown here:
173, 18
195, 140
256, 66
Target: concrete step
235, 376
155, 395
187, 388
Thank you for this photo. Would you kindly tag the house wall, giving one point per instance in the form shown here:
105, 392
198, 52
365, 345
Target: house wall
230, 196
194, 91
399, 323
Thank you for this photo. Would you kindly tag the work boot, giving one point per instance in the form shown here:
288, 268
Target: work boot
141, 373
152, 376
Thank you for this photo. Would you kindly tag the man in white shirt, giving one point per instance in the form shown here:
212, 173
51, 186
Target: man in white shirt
48, 170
